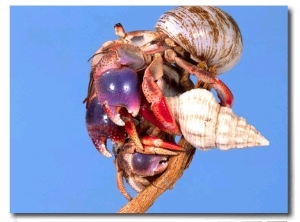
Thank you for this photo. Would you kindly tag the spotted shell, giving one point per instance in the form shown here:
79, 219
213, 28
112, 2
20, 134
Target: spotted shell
205, 124
206, 32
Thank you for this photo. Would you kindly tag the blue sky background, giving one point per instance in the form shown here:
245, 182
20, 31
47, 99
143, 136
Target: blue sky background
54, 167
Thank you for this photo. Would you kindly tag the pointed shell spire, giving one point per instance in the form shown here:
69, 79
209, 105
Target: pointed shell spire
205, 124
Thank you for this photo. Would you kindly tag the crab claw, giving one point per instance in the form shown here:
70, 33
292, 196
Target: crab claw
149, 165
141, 165
119, 88
100, 127
144, 164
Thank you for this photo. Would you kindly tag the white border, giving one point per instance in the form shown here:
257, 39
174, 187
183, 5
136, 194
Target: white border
4, 92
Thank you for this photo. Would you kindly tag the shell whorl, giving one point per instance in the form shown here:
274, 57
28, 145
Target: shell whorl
205, 124
207, 33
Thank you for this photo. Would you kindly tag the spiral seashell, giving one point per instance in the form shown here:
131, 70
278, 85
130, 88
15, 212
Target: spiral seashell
207, 33
205, 124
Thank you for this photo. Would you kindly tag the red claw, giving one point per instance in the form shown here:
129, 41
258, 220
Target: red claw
156, 98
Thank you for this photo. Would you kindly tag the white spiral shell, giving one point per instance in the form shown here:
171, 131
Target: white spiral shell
205, 124
206, 32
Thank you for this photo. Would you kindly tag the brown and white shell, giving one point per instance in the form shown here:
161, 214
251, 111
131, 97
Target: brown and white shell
208, 33
205, 124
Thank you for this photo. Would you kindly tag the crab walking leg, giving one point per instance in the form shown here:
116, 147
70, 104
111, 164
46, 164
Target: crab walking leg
155, 145
131, 130
149, 144
224, 93
155, 96
120, 183
157, 151
157, 142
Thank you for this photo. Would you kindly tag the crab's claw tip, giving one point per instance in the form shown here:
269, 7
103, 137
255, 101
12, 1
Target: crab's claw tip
133, 109
100, 127
103, 149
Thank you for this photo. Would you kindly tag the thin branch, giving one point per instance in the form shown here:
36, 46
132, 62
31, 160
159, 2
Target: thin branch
177, 164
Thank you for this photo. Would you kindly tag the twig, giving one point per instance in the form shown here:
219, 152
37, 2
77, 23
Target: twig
177, 164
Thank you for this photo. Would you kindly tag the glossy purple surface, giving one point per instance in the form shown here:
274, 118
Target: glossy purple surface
119, 87
99, 125
148, 164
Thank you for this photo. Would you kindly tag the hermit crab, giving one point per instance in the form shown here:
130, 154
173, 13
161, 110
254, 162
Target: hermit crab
126, 70
138, 169
142, 81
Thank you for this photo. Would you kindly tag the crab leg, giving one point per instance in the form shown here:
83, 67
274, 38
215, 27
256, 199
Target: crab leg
157, 142
224, 93
131, 129
148, 144
155, 96
155, 145
120, 183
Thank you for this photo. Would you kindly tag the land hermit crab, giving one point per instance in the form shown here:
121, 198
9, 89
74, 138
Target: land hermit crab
124, 87
125, 70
